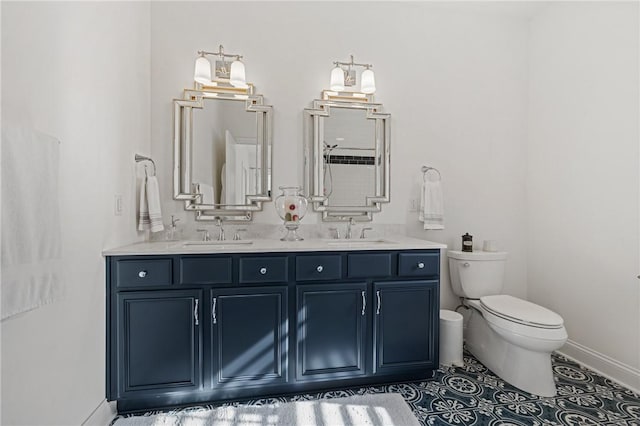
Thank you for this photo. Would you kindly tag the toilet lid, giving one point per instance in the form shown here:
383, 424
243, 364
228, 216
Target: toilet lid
521, 311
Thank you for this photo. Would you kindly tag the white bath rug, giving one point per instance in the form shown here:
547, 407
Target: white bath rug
387, 409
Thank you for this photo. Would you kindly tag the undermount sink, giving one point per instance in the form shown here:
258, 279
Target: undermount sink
358, 241
216, 243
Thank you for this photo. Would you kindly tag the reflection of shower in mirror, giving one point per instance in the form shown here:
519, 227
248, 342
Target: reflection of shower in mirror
326, 154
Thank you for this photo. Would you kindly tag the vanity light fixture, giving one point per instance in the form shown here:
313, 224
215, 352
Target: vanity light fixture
236, 75
343, 75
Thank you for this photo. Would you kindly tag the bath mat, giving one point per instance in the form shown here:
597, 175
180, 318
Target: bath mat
387, 409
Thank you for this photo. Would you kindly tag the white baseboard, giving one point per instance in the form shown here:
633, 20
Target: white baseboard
608, 367
103, 415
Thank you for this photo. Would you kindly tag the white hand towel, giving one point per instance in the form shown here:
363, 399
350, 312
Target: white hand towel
143, 210
223, 182
208, 195
150, 214
431, 205
30, 258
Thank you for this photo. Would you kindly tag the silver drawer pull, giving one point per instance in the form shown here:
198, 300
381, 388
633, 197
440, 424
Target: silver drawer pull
466, 264
320, 268
379, 303
213, 310
364, 303
420, 265
142, 274
195, 312
263, 271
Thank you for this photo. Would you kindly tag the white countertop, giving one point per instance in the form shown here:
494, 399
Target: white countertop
267, 246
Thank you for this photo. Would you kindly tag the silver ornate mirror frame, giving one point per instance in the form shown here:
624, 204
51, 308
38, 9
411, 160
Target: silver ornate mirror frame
183, 188
314, 157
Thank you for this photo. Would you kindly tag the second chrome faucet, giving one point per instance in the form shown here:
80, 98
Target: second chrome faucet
207, 237
349, 230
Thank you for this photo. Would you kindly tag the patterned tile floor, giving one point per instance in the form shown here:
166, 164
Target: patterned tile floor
473, 395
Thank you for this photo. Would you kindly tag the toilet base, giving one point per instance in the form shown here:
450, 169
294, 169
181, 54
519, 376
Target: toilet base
523, 368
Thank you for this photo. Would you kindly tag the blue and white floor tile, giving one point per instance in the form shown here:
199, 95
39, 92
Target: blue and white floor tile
473, 395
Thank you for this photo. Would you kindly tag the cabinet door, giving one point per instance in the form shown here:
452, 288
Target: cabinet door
331, 333
406, 326
249, 336
158, 337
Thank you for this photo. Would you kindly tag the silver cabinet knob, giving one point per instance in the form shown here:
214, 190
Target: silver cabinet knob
466, 264
320, 268
263, 271
142, 274
420, 265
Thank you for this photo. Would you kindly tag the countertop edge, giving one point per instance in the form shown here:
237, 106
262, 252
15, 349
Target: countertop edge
268, 246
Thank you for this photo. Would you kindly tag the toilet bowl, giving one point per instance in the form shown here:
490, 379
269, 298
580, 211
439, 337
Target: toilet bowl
512, 337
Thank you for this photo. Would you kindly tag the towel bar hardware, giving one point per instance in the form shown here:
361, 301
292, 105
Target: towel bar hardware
426, 169
139, 158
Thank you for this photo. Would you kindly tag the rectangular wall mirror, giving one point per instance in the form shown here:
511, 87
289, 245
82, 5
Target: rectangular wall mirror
346, 158
222, 149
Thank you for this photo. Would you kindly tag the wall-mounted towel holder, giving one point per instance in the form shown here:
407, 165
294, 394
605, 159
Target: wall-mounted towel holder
139, 158
426, 169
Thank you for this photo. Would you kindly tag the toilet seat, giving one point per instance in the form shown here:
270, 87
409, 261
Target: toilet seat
520, 311
518, 318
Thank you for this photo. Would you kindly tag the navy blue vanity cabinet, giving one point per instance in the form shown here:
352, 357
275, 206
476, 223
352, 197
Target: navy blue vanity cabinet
196, 328
159, 335
406, 326
248, 337
331, 330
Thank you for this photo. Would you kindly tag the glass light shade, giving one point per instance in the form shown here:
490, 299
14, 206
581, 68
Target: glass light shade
237, 77
337, 79
367, 82
202, 74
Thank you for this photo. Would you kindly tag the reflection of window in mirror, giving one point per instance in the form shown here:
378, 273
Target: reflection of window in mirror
225, 152
349, 149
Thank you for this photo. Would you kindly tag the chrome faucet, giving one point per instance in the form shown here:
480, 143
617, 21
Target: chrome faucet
349, 225
362, 233
220, 229
337, 234
205, 235
236, 235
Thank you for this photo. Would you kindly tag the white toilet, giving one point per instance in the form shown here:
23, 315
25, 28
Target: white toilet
510, 336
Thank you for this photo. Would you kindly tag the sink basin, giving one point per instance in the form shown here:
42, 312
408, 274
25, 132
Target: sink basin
358, 242
216, 243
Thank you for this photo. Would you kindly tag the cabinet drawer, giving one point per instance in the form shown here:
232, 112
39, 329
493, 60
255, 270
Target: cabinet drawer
263, 269
205, 270
143, 272
318, 268
369, 265
418, 264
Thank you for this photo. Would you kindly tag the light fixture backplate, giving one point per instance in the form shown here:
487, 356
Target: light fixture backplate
350, 77
222, 69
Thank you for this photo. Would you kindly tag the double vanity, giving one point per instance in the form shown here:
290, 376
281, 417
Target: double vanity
193, 322
199, 321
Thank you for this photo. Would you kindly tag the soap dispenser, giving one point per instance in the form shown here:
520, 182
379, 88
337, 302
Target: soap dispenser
171, 232
467, 242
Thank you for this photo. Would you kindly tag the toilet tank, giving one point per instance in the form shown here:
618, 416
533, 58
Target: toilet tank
476, 274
